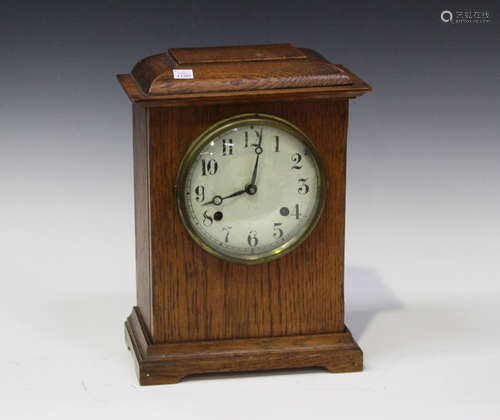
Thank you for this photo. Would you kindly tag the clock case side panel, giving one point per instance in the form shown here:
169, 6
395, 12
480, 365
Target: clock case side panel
195, 296
142, 213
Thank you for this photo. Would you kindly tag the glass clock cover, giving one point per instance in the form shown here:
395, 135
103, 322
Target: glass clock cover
250, 188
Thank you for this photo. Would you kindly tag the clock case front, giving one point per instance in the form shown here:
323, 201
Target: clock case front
197, 313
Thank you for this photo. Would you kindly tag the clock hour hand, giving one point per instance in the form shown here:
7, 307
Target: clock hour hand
258, 151
217, 200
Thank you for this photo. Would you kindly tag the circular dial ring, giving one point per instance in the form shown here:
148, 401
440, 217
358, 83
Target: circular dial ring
192, 155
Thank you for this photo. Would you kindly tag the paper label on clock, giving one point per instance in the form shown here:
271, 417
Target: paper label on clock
183, 74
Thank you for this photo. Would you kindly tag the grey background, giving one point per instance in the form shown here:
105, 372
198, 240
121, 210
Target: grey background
422, 207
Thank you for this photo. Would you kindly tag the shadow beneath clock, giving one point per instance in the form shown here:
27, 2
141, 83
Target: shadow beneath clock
365, 296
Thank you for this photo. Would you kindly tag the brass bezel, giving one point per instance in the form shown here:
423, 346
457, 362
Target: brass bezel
211, 133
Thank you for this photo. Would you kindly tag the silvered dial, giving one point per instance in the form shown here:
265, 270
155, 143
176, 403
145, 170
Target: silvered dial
250, 188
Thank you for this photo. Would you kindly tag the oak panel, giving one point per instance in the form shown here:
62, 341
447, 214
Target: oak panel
196, 296
236, 54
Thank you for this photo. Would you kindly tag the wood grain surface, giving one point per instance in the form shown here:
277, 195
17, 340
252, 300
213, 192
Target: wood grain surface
236, 54
142, 213
195, 296
196, 313
358, 88
169, 363
217, 70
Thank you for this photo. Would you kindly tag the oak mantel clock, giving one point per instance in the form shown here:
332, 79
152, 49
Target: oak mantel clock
239, 173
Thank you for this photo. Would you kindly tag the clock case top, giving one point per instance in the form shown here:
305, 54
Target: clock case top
245, 73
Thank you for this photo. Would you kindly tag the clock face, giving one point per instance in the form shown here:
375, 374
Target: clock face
250, 188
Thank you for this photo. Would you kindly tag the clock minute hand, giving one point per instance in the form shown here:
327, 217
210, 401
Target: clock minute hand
217, 200
258, 151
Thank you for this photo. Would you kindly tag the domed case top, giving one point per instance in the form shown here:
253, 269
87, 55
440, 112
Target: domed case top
255, 69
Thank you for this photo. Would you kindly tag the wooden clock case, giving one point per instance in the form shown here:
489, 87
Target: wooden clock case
196, 313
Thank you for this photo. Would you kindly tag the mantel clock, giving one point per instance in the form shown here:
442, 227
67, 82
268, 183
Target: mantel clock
239, 178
